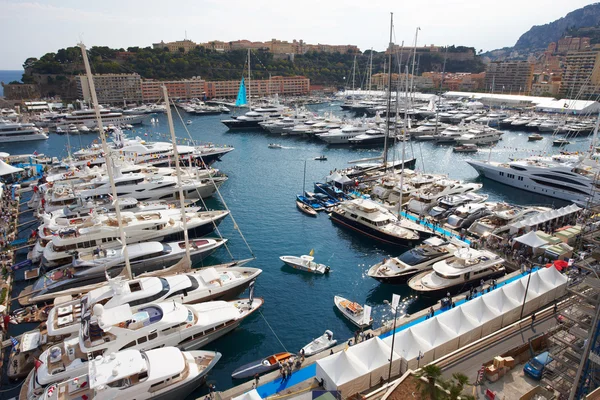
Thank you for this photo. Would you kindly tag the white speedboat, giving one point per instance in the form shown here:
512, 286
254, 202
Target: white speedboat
322, 343
454, 275
275, 146
352, 311
305, 263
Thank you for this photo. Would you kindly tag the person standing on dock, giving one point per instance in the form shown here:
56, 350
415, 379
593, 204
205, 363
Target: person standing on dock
256, 380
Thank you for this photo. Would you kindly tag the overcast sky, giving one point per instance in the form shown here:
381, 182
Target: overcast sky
31, 29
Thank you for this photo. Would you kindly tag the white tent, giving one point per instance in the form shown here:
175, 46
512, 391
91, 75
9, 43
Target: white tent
545, 216
375, 355
466, 329
488, 318
532, 240
554, 279
409, 346
538, 293
441, 339
339, 178
569, 106
343, 372
6, 169
251, 395
506, 303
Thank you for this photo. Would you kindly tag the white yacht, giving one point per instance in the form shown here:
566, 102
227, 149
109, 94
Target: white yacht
158, 374
573, 180
93, 266
500, 217
252, 119
463, 216
224, 282
401, 269
344, 134
88, 118
374, 221
465, 269
450, 134
102, 231
428, 129
427, 198
20, 132
447, 204
483, 135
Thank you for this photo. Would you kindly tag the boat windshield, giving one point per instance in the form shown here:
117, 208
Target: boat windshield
52, 277
418, 256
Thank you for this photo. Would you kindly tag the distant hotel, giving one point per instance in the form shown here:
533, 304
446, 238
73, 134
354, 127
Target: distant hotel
116, 88
273, 46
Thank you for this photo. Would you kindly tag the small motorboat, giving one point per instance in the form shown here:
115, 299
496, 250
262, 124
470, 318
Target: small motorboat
466, 148
353, 311
275, 146
305, 263
321, 158
306, 209
189, 122
322, 343
311, 202
260, 367
534, 136
560, 142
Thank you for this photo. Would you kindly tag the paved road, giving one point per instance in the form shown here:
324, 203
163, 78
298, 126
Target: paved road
470, 364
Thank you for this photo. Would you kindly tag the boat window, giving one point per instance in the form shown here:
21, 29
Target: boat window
141, 340
518, 168
447, 276
149, 299
153, 335
559, 186
560, 178
416, 256
128, 345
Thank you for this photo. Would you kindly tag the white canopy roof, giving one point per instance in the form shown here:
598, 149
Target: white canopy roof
339, 178
342, 367
544, 217
372, 353
569, 106
6, 169
531, 239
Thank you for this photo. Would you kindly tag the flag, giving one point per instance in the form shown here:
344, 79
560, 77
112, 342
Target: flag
14, 342
312, 252
395, 301
241, 97
38, 363
35, 153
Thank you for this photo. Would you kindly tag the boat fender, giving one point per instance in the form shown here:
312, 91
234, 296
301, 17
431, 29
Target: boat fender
188, 326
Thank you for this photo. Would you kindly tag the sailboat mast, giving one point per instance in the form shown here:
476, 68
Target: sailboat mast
304, 179
403, 151
178, 172
370, 69
249, 104
107, 157
412, 78
389, 98
353, 77
441, 88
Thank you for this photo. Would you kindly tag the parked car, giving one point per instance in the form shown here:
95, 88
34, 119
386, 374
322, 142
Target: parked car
535, 367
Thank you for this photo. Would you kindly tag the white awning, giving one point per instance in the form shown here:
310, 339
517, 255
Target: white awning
6, 169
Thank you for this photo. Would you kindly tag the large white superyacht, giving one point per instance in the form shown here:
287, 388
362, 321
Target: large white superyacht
20, 132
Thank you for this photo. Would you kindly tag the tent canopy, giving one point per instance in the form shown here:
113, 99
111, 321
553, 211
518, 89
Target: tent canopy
342, 368
339, 178
531, 239
373, 353
6, 169
251, 395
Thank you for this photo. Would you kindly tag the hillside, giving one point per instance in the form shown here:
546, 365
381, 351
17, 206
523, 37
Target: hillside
53, 69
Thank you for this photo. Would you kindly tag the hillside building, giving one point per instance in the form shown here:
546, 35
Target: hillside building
509, 77
111, 88
581, 76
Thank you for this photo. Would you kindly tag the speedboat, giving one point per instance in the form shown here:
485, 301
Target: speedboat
534, 137
454, 275
306, 209
305, 263
322, 343
275, 146
401, 269
353, 312
560, 142
466, 148
311, 202
188, 122
321, 158
261, 366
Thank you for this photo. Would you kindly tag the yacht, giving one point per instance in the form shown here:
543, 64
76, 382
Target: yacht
500, 217
450, 134
88, 118
401, 269
550, 125
372, 137
93, 267
373, 220
425, 199
222, 282
483, 135
429, 128
447, 204
158, 374
570, 180
103, 231
465, 269
252, 119
463, 216
20, 132
344, 134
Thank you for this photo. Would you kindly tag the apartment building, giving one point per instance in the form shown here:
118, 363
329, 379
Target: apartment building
509, 77
569, 43
581, 75
284, 86
182, 89
111, 88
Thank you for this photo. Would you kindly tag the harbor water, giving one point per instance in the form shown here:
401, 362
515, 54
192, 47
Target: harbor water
261, 193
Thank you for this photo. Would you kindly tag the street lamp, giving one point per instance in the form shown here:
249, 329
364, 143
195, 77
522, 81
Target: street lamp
393, 333
526, 289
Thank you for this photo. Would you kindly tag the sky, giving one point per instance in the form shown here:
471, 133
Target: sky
33, 28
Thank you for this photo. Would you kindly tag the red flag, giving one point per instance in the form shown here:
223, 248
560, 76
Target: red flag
38, 363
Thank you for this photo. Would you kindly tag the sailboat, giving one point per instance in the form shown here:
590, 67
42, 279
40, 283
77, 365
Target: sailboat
306, 203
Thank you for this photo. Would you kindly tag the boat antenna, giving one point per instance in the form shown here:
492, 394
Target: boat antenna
389, 98
178, 172
107, 158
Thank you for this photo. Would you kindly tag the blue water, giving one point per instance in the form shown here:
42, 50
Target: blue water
7, 76
261, 193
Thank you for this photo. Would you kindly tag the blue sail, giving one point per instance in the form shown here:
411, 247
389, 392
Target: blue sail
241, 97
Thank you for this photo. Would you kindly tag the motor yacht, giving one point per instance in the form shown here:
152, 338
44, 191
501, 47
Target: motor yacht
427, 198
20, 132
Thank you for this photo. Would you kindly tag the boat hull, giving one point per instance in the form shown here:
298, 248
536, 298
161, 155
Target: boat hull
372, 233
462, 287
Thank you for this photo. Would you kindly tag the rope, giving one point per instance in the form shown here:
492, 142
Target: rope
13, 388
277, 337
210, 175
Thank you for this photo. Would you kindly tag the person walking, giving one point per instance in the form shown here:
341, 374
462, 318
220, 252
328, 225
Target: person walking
256, 380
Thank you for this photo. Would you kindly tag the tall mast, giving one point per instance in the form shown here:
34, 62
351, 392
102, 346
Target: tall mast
107, 158
178, 171
370, 69
389, 98
403, 150
304, 179
412, 78
249, 105
353, 77
440, 95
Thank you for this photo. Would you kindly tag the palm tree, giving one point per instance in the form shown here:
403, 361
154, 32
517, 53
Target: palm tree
455, 387
433, 374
